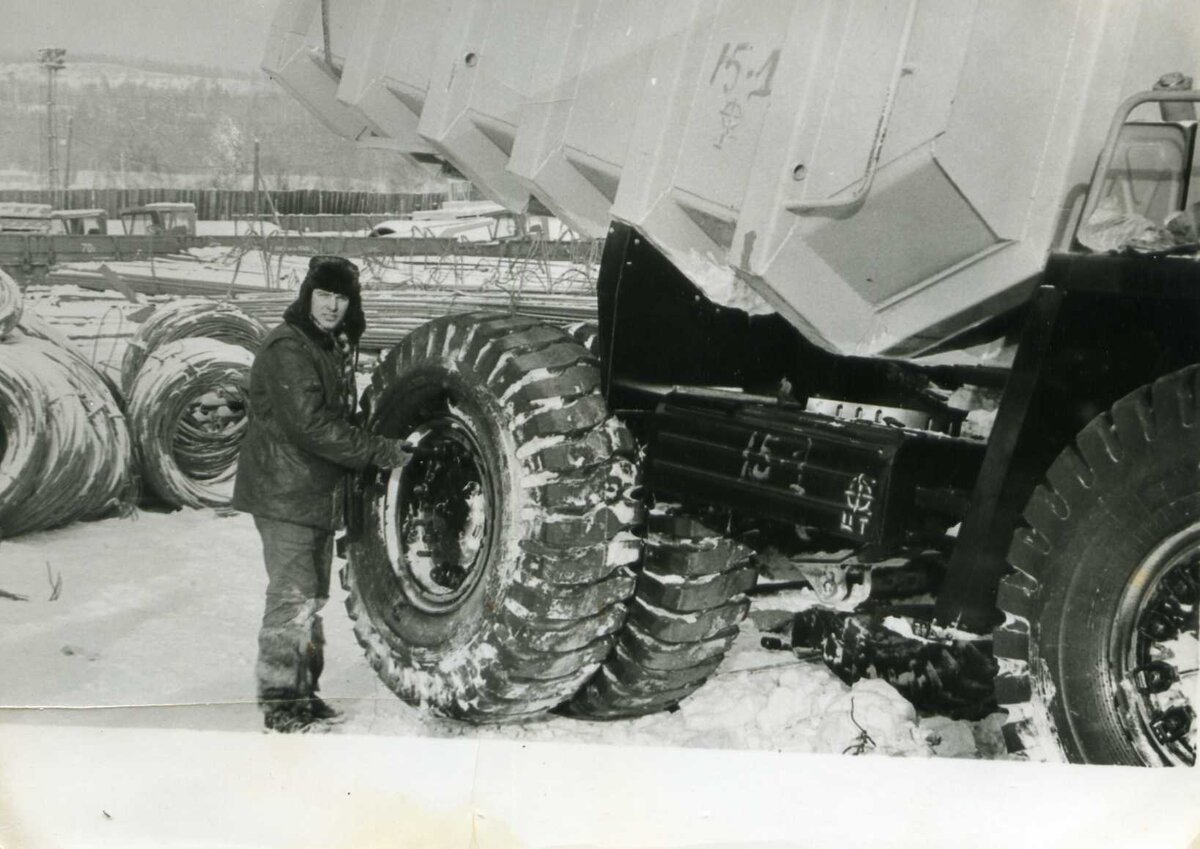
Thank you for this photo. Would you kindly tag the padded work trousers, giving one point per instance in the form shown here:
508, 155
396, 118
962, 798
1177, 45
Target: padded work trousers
291, 641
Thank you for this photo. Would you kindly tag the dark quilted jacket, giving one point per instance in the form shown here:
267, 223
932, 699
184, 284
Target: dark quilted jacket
300, 443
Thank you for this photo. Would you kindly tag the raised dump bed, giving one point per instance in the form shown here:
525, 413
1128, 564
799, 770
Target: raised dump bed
884, 174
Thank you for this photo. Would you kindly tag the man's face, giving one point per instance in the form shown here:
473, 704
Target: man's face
328, 308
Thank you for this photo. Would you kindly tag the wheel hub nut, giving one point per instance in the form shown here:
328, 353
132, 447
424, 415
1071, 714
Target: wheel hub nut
1173, 723
1155, 677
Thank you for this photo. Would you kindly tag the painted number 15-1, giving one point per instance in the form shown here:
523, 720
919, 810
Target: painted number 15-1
741, 77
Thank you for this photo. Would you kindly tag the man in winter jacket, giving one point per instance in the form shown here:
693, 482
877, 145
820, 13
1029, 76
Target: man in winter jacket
292, 467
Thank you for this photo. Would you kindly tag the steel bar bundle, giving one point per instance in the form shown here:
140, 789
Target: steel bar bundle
185, 319
64, 447
149, 285
10, 304
393, 314
187, 415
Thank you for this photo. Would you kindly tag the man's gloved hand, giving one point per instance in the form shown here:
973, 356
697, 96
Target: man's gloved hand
436, 451
399, 453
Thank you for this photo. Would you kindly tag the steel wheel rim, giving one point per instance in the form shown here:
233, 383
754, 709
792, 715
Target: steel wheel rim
1160, 598
438, 517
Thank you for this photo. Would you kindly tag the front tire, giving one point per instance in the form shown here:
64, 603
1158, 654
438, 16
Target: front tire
492, 571
1098, 651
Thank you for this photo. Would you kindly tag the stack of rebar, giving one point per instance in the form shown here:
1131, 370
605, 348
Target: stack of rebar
148, 284
393, 314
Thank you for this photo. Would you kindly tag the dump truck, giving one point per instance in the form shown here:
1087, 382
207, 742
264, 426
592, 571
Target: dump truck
898, 304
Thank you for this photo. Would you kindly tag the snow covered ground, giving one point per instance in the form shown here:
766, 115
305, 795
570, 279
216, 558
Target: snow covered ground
155, 623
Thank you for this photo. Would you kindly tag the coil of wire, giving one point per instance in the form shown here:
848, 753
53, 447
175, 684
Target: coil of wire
184, 319
64, 447
11, 304
187, 414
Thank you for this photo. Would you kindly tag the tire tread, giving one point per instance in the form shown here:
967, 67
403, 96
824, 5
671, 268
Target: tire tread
558, 622
672, 641
1078, 479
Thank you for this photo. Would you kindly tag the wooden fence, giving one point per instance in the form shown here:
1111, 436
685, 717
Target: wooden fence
227, 204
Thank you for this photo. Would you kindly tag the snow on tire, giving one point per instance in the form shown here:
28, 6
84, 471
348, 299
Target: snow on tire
1098, 650
682, 620
492, 572
587, 334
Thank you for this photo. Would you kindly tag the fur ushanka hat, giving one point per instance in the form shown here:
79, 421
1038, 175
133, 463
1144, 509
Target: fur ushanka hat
332, 274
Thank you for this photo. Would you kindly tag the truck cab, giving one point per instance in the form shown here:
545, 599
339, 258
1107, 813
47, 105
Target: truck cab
1145, 191
158, 219
79, 222
24, 218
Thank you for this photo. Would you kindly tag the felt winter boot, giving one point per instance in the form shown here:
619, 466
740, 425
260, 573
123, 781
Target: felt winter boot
286, 711
318, 708
285, 685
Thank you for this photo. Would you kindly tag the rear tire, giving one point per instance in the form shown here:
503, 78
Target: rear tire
1102, 604
682, 620
489, 581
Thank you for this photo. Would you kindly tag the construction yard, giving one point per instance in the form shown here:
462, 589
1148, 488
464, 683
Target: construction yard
100, 644
140, 618
755, 425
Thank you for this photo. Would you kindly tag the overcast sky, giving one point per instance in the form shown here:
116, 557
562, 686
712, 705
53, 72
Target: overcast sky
222, 33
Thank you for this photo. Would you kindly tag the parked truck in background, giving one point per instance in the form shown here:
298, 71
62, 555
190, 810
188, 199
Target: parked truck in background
898, 301
162, 218
40, 219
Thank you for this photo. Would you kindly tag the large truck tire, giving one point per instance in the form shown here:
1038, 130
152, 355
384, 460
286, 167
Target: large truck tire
490, 575
1098, 651
682, 620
